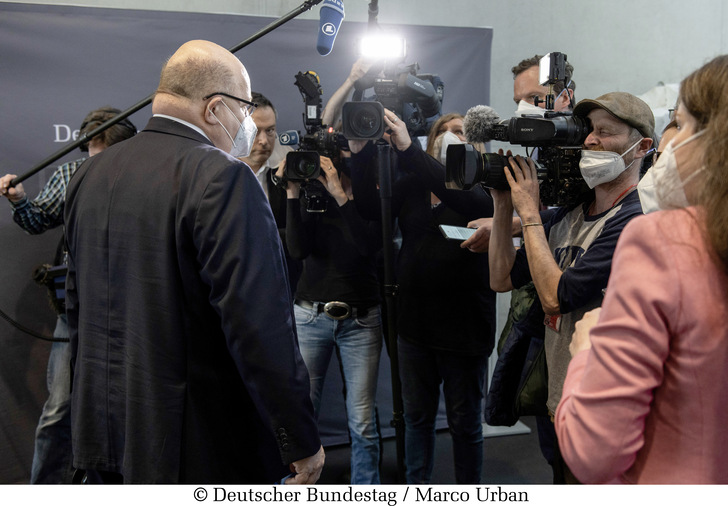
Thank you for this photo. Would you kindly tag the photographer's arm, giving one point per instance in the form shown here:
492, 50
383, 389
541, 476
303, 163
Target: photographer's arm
431, 173
362, 234
298, 238
502, 254
364, 181
545, 271
332, 110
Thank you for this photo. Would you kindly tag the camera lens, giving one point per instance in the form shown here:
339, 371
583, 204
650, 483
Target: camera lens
305, 168
363, 120
466, 167
366, 123
302, 165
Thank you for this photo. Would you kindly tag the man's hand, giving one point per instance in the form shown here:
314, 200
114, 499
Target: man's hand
359, 69
13, 193
524, 188
478, 242
307, 470
581, 338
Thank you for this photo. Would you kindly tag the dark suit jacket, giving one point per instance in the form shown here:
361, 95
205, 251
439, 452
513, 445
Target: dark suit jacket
185, 357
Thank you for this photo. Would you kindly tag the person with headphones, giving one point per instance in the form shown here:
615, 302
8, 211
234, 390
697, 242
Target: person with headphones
52, 454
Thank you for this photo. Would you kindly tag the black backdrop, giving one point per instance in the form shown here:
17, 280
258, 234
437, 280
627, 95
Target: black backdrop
59, 62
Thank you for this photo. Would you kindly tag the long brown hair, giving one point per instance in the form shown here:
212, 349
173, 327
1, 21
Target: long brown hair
704, 94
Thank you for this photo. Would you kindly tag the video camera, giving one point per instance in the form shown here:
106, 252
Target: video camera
304, 164
416, 98
558, 137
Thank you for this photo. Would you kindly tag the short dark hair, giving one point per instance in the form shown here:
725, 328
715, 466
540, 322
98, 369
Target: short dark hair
123, 130
526, 64
263, 101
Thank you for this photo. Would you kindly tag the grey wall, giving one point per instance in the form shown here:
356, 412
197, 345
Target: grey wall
59, 61
626, 45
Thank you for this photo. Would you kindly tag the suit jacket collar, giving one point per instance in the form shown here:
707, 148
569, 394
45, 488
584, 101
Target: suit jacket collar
168, 126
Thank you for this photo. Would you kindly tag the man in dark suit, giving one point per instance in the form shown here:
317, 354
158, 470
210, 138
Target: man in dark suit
186, 364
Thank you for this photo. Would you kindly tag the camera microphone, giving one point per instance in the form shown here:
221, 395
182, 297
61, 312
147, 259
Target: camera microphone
479, 124
289, 138
330, 16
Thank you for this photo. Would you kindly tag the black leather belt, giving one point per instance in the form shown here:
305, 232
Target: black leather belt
335, 309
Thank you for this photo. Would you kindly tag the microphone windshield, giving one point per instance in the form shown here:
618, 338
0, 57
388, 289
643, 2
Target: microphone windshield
330, 17
479, 122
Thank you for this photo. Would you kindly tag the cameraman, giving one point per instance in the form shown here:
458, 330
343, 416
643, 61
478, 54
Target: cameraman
530, 98
568, 258
445, 308
337, 305
52, 458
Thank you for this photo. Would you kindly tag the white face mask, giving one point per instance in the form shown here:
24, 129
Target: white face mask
599, 167
646, 190
528, 109
669, 188
245, 136
448, 138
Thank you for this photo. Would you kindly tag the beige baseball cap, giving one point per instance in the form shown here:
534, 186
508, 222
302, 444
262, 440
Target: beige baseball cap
623, 106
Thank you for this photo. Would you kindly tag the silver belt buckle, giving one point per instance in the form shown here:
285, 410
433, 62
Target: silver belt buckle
337, 310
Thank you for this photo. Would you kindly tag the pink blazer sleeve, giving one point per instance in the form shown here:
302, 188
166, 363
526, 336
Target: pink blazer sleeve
608, 390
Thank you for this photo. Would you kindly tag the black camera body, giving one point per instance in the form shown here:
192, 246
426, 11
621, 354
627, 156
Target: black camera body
304, 164
558, 138
415, 98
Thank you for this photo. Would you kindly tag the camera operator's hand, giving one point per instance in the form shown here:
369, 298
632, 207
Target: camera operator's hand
330, 179
399, 137
293, 189
14, 193
524, 188
359, 69
478, 242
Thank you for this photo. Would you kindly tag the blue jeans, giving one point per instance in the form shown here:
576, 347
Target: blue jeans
359, 344
52, 458
463, 377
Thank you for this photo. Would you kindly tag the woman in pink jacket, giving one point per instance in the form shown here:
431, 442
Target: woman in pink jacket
646, 395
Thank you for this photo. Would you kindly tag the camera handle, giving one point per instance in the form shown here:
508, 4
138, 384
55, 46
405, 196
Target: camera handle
390, 292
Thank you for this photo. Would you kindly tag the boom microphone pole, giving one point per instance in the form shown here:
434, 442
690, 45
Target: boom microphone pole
140, 105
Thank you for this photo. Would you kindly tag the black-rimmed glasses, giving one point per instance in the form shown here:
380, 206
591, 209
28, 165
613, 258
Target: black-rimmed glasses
249, 106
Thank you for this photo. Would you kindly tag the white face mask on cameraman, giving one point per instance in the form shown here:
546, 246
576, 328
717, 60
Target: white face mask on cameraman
668, 187
599, 167
244, 137
448, 138
528, 109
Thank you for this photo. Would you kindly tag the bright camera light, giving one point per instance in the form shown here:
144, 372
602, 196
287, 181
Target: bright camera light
382, 46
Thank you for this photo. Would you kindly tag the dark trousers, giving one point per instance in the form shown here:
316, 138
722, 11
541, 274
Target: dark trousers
463, 378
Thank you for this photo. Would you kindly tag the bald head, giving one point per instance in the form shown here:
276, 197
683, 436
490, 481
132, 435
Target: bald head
200, 67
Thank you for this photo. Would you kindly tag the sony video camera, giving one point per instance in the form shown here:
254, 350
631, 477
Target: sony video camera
558, 137
416, 98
